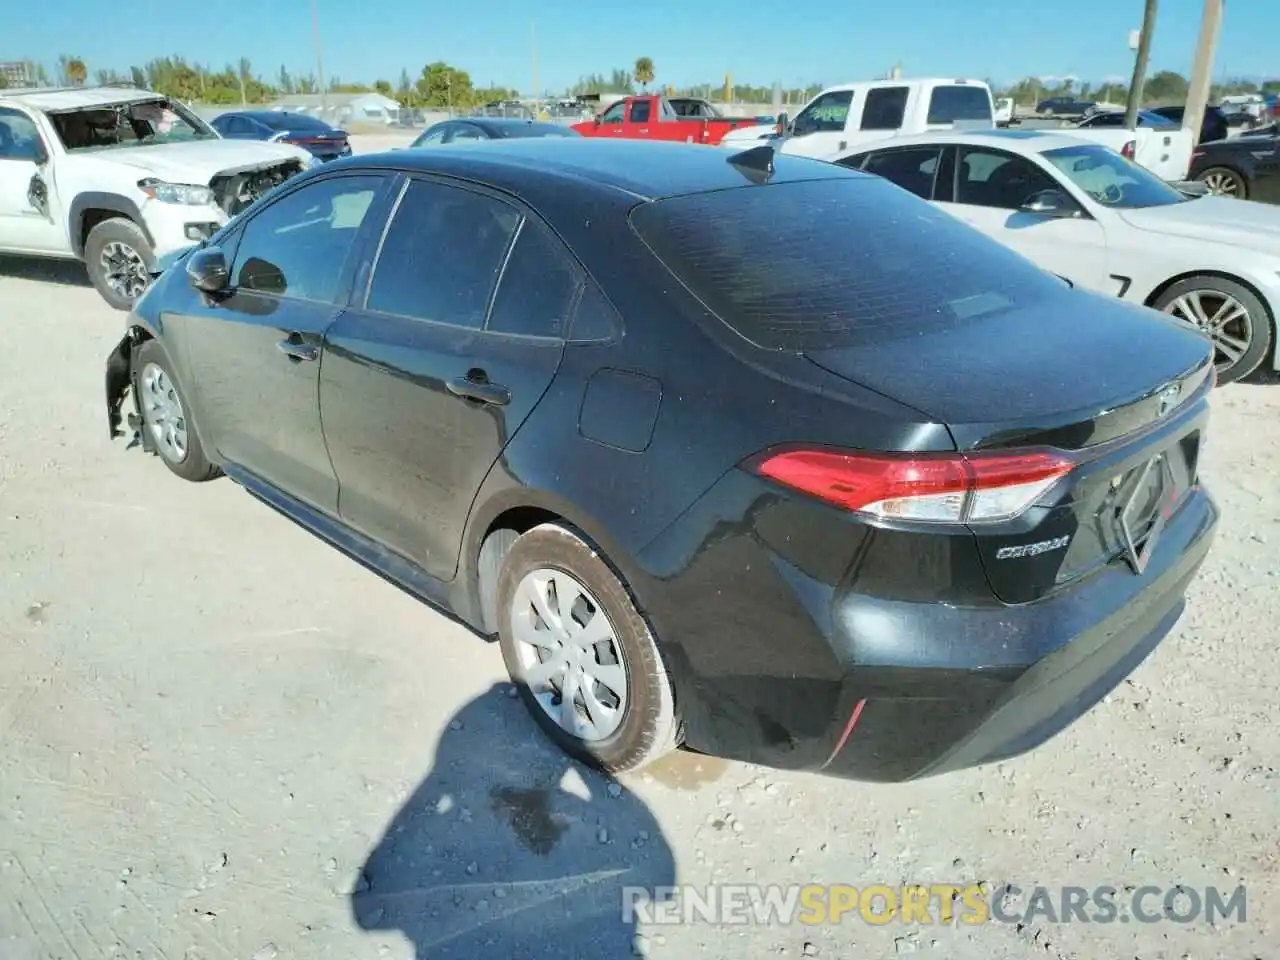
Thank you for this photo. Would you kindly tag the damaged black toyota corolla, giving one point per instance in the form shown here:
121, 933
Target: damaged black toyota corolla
753, 454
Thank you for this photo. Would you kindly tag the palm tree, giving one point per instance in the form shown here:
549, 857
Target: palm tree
76, 72
644, 71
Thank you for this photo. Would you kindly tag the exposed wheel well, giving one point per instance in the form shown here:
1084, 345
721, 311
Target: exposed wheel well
498, 538
94, 217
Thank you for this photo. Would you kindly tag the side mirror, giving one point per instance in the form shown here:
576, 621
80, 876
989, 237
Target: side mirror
1049, 203
41, 153
783, 120
597, 120
207, 270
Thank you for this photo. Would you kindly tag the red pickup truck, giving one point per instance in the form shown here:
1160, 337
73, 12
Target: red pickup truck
655, 118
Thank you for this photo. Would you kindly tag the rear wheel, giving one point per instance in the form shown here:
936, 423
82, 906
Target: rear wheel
1237, 322
166, 418
581, 654
1224, 182
119, 258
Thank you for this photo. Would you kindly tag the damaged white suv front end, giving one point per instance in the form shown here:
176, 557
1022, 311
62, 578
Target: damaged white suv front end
120, 178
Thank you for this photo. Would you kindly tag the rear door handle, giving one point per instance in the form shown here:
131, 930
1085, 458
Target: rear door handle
297, 351
476, 386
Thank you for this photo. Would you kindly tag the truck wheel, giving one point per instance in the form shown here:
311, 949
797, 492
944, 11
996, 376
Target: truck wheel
119, 260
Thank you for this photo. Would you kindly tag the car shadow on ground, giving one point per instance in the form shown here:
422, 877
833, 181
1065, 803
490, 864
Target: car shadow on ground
70, 273
511, 849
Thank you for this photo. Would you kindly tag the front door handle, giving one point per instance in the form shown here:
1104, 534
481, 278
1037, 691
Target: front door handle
297, 351
476, 386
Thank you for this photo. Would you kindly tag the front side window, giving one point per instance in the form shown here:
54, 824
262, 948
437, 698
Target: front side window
298, 246
828, 113
912, 169
442, 255
434, 135
615, 113
1003, 181
1112, 180
19, 138
464, 131
885, 109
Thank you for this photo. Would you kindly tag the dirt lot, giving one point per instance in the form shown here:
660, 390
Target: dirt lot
221, 739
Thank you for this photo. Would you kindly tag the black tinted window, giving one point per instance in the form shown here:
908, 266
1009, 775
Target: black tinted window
537, 288
298, 246
953, 103
640, 111
833, 263
885, 108
912, 170
992, 178
594, 318
442, 255
19, 139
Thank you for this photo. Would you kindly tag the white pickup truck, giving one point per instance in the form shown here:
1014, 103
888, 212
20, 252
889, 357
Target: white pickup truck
851, 115
118, 177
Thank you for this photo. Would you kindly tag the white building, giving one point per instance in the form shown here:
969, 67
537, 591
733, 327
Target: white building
343, 108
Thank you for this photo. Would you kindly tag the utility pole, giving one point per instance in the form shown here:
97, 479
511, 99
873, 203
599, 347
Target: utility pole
1202, 68
1140, 65
315, 40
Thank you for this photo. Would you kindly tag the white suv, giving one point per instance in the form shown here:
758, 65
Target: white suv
118, 177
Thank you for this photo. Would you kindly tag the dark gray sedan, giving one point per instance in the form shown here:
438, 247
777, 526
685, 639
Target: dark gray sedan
488, 128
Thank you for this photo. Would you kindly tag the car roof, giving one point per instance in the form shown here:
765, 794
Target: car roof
76, 98
1019, 141
642, 170
906, 82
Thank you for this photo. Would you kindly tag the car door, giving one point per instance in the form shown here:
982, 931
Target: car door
991, 186
820, 129
255, 352
425, 383
30, 217
1266, 169
613, 121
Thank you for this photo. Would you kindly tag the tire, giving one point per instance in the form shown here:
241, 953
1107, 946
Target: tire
1212, 294
647, 724
166, 416
119, 259
1224, 182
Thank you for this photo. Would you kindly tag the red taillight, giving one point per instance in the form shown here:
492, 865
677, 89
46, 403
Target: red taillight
938, 488
1130, 150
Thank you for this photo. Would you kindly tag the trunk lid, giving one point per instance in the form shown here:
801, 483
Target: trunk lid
1119, 385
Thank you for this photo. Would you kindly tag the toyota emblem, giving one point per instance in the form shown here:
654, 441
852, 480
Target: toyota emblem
1167, 399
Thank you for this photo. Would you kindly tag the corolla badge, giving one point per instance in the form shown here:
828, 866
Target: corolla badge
1032, 549
1167, 399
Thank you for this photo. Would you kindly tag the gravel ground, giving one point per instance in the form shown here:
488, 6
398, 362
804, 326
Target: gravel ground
221, 739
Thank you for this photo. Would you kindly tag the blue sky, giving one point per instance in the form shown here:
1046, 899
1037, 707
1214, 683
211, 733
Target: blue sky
824, 41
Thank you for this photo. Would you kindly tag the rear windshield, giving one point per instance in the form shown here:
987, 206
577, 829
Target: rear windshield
297, 122
958, 103
822, 264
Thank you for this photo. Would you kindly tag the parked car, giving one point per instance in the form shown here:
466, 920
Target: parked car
853, 113
1115, 118
1246, 167
117, 177
1005, 110
719, 446
1213, 127
1244, 109
1065, 107
487, 128
1106, 224
657, 118
278, 126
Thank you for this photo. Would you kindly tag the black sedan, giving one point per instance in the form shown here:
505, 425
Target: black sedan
1214, 126
311, 133
489, 128
715, 444
1246, 166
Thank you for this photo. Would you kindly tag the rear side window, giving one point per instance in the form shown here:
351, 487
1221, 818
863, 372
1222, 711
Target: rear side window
833, 263
885, 109
539, 283
640, 111
912, 169
442, 254
959, 103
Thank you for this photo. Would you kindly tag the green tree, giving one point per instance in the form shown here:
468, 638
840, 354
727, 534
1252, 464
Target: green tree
406, 94
442, 85
644, 71
1166, 86
1271, 86
284, 82
4, 81
383, 87
137, 76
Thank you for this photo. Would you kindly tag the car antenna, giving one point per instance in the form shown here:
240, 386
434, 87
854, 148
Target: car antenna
756, 163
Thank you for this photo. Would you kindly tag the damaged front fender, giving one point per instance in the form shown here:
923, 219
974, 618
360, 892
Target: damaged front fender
119, 383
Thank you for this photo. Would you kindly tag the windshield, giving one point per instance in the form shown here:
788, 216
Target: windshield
296, 123
141, 123
1110, 179
838, 262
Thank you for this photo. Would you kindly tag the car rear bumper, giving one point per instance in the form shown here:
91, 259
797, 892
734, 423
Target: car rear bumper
823, 677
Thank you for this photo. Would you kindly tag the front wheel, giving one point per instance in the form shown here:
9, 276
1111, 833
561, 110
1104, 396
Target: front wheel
581, 654
166, 417
1224, 182
1238, 323
119, 259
